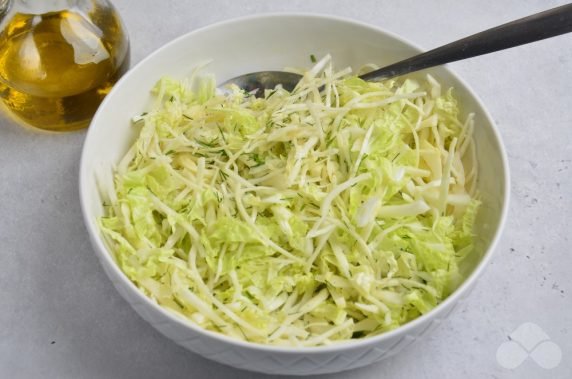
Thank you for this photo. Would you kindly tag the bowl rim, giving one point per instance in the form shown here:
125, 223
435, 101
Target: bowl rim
106, 255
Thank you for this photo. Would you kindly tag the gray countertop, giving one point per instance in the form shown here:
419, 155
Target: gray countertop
60, 317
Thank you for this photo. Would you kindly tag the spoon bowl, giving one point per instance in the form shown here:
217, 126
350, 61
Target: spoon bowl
262, 80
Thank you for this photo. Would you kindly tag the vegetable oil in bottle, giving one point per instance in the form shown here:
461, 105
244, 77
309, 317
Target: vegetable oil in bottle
57, 66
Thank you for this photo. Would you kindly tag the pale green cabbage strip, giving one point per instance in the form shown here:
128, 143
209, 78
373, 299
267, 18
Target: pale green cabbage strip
303, 218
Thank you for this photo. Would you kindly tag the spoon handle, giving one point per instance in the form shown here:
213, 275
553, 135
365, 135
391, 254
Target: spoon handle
533, 28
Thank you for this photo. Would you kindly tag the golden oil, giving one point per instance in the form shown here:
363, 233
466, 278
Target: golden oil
56, 67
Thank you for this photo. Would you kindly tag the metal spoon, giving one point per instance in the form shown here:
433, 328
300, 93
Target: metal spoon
533, 28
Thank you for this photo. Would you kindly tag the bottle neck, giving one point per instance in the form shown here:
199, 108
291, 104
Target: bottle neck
4, 4
42, 6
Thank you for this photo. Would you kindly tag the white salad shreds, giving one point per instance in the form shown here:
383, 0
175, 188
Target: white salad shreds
340, 210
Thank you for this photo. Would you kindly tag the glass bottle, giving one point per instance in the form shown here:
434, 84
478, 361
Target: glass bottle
58, 59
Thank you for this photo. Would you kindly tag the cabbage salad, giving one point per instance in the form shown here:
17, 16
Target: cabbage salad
337, 211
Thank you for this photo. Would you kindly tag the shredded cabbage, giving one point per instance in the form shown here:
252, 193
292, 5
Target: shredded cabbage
340, 210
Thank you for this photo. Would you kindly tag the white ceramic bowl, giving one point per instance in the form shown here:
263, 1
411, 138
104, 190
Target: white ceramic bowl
273, 42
